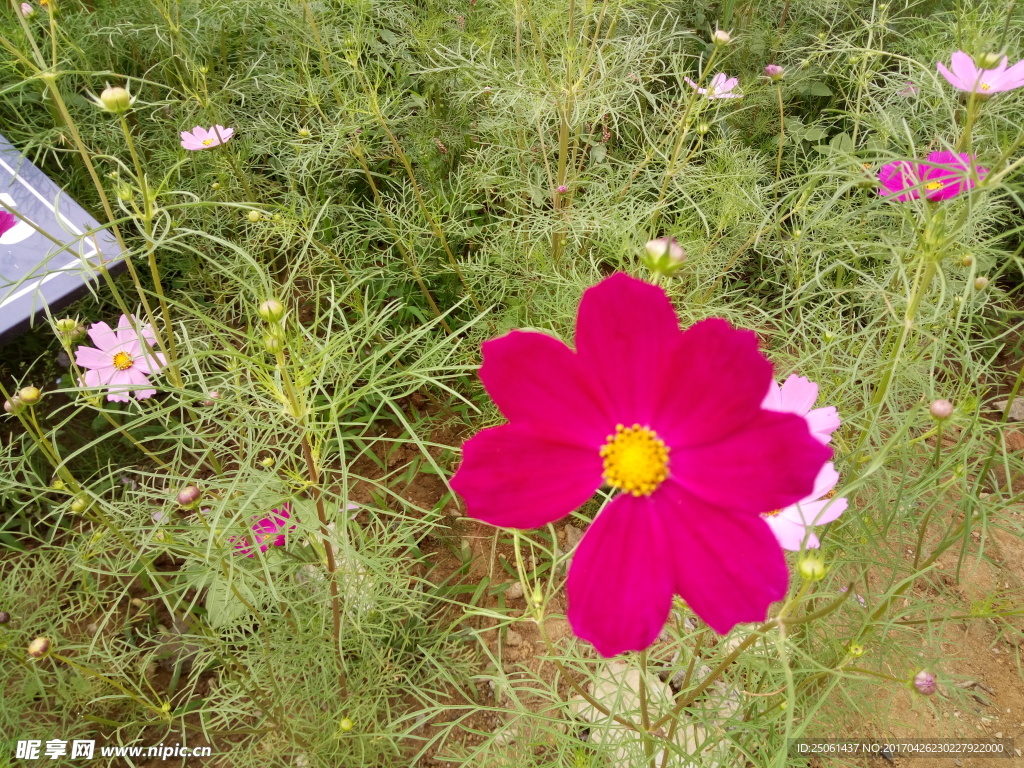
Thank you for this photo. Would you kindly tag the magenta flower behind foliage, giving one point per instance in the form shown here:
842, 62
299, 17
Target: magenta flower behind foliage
791, 525
269, 532
909, 91
944, 175
720, 87
797, 395
7, 221
968, 76
122, 360
201, 138
670, 419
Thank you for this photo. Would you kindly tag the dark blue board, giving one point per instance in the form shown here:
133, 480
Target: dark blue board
49, 258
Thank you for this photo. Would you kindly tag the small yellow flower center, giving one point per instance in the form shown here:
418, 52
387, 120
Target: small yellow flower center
635, 460
985, 87
773, 513
207, 142
123, 361
931, 186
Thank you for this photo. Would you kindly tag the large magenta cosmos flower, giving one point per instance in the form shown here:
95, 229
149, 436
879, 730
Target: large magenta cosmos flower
968, 76
673, 420
945, 175
268, 532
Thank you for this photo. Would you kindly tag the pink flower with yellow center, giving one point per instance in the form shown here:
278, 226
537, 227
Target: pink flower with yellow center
792, 525
201, 138
268, 532
968, 76
671, 420
943, 176
720, 87
122, 360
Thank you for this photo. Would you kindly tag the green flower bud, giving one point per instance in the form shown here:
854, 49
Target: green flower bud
811, 568
273, 343
988, 60
79, 505
345, 724
254, 216
115, 100
980, 283
271, 310
30, 395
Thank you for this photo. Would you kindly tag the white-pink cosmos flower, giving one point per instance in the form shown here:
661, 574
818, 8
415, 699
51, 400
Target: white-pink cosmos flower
968, 76
797, 395
791, 525
121, 360
201, 138
720, 87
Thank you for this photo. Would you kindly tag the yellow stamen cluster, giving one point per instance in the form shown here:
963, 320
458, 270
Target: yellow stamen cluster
123, 361
207, 142
985, 87
635, 460
931, 186
773, 513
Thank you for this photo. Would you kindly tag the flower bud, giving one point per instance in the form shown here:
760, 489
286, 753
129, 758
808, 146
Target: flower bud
562, 189
4, 617
116, 100
663, 255
39, 647
30, 395
966, 260
27, 11
345, 724
829, 336
212, 399
940, 409
774, 72
66, 324
537, 597
273, 343
924, 682
703, 128
980, 283
812, 568
13, 405
189, 495
988, 60
721, 37
277, 217
271, 310
79, 505
254, 216
124, 193
856, 650
303, 133
215, 186
267, 462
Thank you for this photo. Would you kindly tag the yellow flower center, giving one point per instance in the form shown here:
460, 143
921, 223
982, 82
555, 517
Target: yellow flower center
773, 513
985, 87
931, 186
207, 142
635, 460
123, 361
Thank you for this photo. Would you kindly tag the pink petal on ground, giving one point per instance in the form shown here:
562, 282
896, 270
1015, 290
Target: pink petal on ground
726, 565
514, 476
966, 71
620, 582
823, 422
626, 330
103, 336
769, 464
90, 357
713, 387
535, 378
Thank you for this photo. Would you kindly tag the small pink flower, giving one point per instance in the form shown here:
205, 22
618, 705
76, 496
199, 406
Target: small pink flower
268, 532
7, 221
909, 91
797, 395
968, 76
720, 87
924, 682
943, 176
792, 525
562, 189
27, 11
774, 72
122, 360
201, 138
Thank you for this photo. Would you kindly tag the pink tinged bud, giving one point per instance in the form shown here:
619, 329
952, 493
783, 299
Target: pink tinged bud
4, 617
27, 10
774, 72
940, 409
721, 37
924, 682
39, 647
562, 189
12, 405
666, 246
189, 495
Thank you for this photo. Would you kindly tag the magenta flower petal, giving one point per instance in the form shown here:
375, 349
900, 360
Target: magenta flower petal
899, 179
620, 581
550, 389
726, 565
515, 476
770, 464
7, 221
626, 331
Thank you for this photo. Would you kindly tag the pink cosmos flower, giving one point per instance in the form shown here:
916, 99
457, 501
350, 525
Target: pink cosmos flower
673, 421
720, 87
201, 138
797, 395
269, 532
791, 525
7, 221
968, 76
909, 91
121, 360
944, 175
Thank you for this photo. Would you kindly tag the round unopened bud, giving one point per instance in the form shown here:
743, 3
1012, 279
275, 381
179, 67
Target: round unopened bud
13, 405
116, 99
856, 650
189, 495
273, 343
30, 395
812, 568
66, 324
966, 260
254, 216
27, 11
4, 617
774, 72
303, 132
940, 410
212, 398
79, 505
277, 217
721, 37
124, 192
665, 246
39, 647
215, 185
988, 60
980, 283
271, 310
267, 462
924, 682
562, 189
345, 724
703, 128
